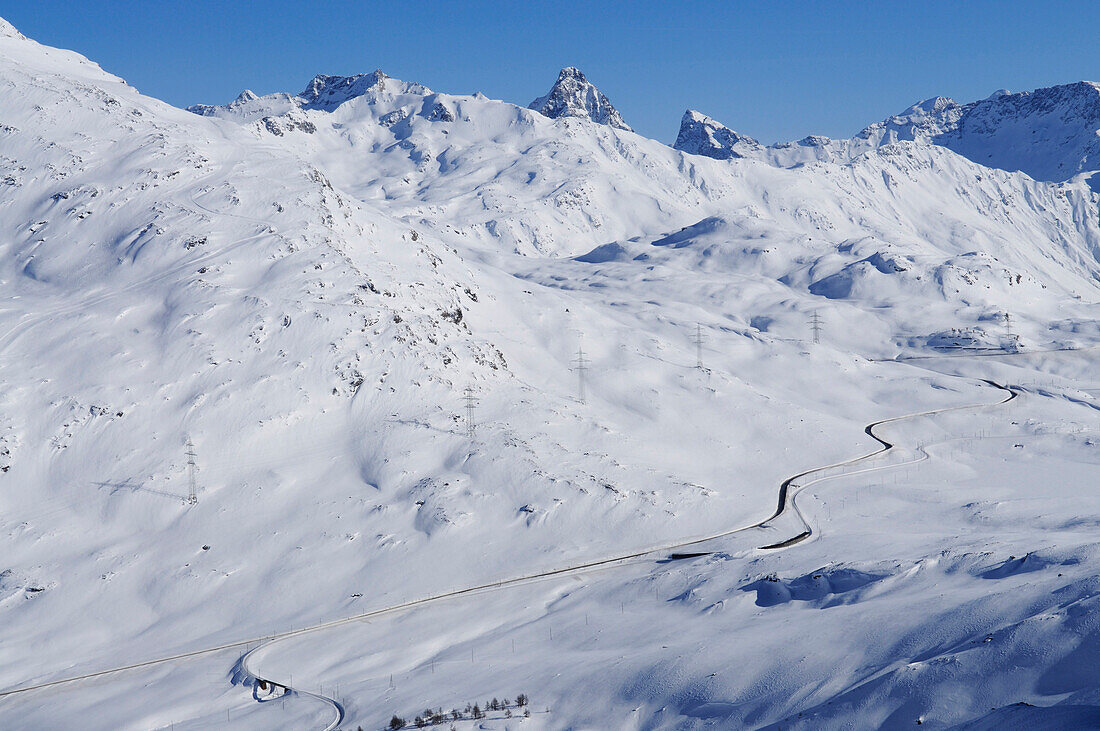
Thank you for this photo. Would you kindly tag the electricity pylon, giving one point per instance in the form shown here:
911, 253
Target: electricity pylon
580, 365
815, 326
192, 490
470, 403
699, 339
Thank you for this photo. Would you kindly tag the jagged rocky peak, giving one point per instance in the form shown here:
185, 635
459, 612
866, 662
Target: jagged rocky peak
573, 95
332, 90
328, 92
323, 93
935, 106
246, 104
701, 135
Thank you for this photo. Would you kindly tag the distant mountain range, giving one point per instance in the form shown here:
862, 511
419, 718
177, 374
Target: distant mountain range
1051, 133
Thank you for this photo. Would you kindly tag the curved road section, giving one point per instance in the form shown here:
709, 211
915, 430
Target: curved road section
788, 491
791, 486
257, 679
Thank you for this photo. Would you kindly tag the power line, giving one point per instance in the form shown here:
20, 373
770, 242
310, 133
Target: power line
192, 490
580, 365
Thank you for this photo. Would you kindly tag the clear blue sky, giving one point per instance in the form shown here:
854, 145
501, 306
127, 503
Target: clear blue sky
776, 70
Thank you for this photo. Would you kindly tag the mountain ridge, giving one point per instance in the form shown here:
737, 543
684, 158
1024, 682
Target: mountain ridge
1050, 133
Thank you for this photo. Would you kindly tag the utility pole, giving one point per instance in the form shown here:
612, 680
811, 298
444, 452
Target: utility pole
192, 492
470, 403
581, 367
815, 326
699, 338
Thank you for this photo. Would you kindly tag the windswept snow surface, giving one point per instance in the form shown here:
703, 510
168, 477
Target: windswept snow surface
305, 286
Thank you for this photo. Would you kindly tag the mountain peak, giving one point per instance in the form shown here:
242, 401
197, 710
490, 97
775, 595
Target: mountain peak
935, 105
701, 135
328, 92
573, 95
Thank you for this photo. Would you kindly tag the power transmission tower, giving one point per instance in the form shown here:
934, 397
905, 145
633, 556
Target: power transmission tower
699, 339
815, 326
192, 491
581, 367
471, 401
1008, 325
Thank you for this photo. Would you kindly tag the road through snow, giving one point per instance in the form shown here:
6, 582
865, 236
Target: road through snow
788, 492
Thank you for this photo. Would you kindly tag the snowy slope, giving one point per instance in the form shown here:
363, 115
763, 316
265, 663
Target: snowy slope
306, 285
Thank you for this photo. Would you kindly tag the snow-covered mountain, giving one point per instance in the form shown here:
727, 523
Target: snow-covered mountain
1050, 134
582, 185
701, 135
424, 342
323, 93
573, 95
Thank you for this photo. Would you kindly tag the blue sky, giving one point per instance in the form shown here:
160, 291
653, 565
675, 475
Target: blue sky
776, 70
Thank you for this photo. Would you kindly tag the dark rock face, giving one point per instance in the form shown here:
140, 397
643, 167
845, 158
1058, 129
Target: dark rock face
328, 92
440, 113
574, 96
701, 135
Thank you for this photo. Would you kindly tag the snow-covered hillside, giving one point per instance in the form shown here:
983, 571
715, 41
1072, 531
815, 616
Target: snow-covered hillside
318, 290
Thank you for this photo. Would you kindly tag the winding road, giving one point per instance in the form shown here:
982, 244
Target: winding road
789, 490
